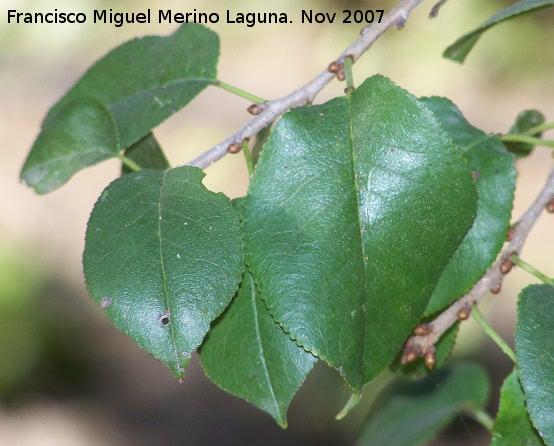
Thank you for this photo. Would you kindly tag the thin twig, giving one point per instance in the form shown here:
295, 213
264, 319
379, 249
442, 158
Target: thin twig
478, 317
417, 346
435, 11
527, 140
306, 94
518, 261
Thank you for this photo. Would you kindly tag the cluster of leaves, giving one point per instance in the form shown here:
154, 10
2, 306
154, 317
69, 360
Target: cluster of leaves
364, 215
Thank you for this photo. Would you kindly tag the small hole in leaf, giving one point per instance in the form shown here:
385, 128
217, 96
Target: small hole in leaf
165, 318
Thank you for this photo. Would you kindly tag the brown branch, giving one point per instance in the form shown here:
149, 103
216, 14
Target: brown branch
306, 94
418, 346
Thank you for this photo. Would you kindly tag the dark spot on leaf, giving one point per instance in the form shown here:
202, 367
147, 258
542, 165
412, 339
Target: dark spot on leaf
475, 174
165, 318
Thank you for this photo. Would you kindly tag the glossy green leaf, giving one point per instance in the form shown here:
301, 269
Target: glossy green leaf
354, 209
140, 84
146, 80
352, 402
164, 257
85, 134
525, 121
147, 153
247, 354
535, 355
416, 411
262, 138
492, 167
459, 50
513, 426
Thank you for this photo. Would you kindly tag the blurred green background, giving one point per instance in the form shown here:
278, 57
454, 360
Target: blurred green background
66, 375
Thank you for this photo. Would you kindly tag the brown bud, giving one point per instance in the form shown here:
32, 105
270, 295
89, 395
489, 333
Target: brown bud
511, 233
410, 355
496, 289
422, 330
411, 352
400, 22
335, 67
341, 76
430, 359
463, 313
234, 148
256, 109
506, 267
550, 206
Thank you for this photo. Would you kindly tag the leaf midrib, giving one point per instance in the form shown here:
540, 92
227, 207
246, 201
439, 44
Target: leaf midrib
164, 276
361, 357
110, 106
52, 161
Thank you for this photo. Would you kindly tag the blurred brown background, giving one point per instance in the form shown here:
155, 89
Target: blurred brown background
67, 377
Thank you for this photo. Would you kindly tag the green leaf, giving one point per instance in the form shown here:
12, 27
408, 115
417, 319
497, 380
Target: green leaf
146, 80
352, 402
141, 84
262, 138
459, 50
535, 355
147, 153
493, 169
525, 121
416, 411
164, 257
355, 207
247, 354
513, 426
85, 134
